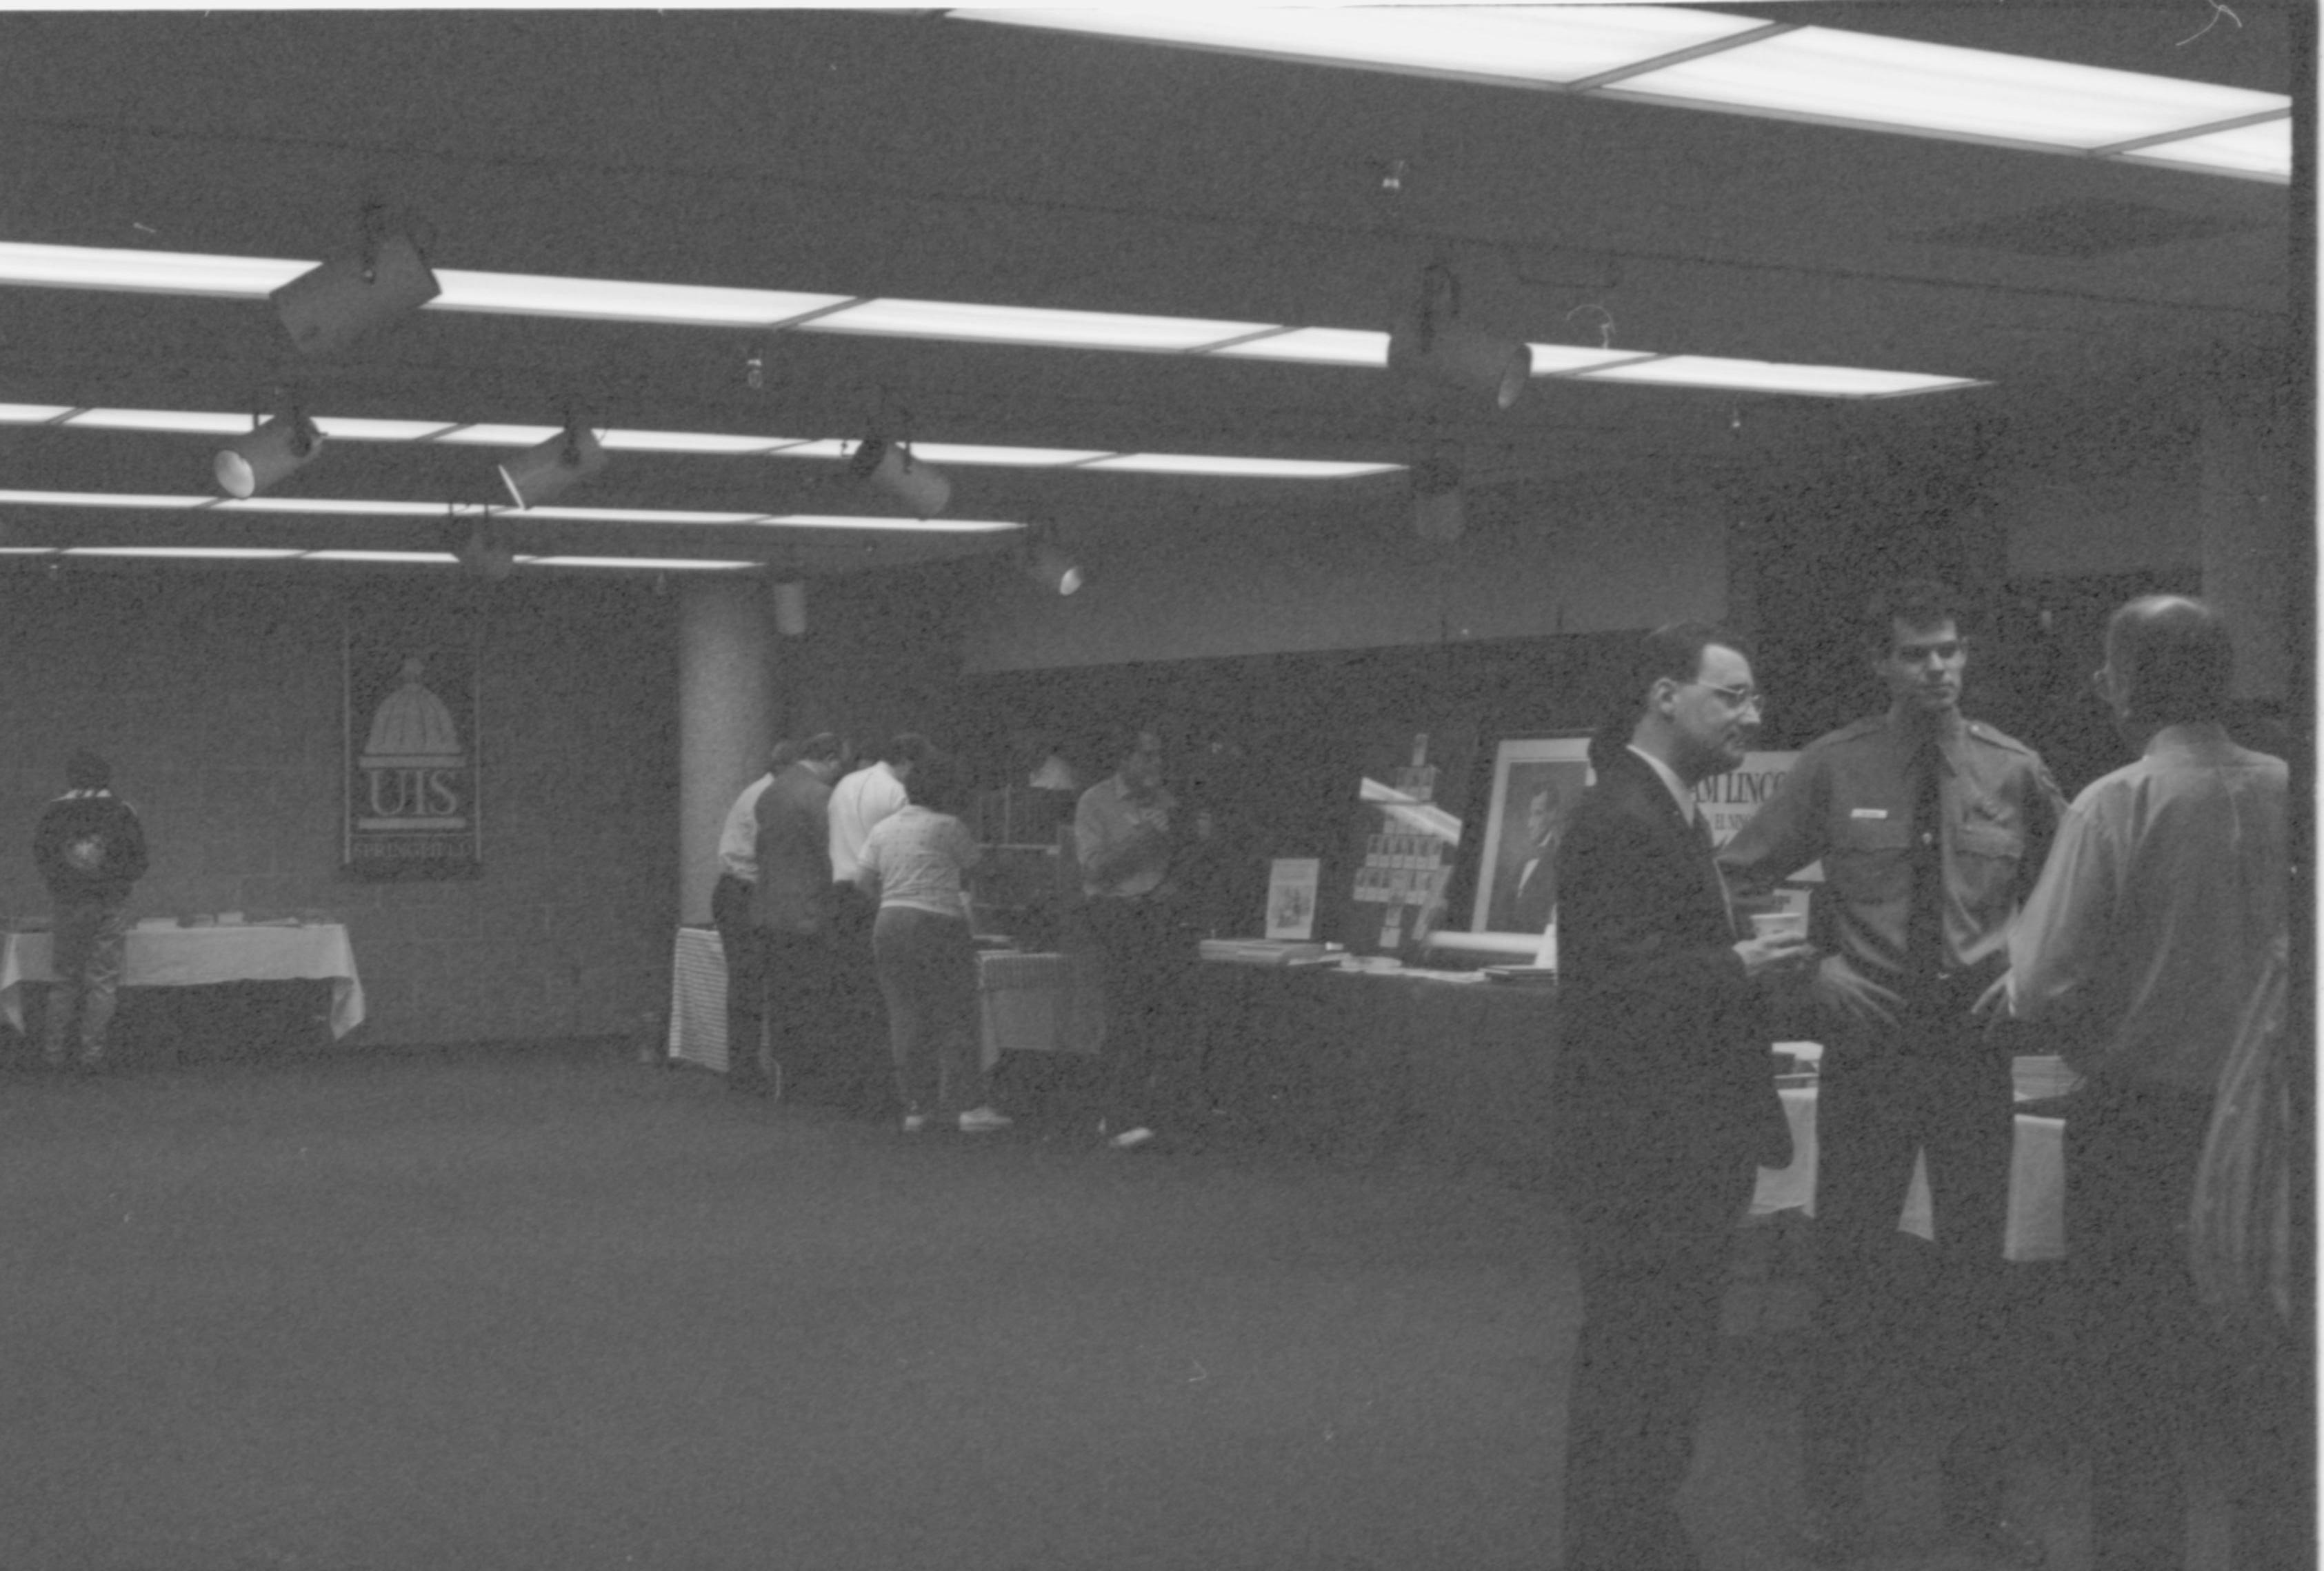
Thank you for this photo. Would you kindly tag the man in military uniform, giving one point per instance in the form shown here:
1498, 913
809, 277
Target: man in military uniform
1931, 829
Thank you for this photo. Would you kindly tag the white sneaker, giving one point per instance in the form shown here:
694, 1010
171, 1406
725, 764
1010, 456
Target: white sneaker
1130, 1140
983, 1120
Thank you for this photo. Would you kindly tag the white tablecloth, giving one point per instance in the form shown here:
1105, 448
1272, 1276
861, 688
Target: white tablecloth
1027, 1002
177, 957
2037, 1227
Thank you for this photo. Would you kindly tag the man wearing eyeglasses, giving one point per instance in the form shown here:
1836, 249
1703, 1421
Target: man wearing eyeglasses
1931, 828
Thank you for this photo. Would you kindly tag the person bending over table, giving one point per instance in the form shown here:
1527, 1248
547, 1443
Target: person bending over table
1664, 1102
914, 864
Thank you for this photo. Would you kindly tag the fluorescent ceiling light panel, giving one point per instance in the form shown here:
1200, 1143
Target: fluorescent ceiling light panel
1015, 458
154, 271
1537, 45
1938, 90
690, 442
1565, 360
607, 300
192, 422
32, 414
235, 553
493, 436
1313, 347
430, 559
381, 430
888, 525
28, 551
1029, 325
1769, 376
1256, 469
334, 506
637, 515
640, 564
2262, 151
99, 499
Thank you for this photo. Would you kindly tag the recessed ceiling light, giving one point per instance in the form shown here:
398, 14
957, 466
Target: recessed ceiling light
1015, 458
2263, 149
609, 300
333, 505
1255, 468
100, 499
690, 442
32, 414
642, 564
190, 421
499, 435
903, 525
340, 428
637, 515
429, 559
1313, 347
221, 553
157, 271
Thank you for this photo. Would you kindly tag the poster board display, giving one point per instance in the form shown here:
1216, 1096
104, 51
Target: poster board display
1407, 837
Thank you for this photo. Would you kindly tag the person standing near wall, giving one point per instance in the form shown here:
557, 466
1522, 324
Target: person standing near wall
915, 864
791, 903
90, 850
739, 937
1124, 841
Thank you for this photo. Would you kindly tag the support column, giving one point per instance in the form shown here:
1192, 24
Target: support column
2249, 569
725, 720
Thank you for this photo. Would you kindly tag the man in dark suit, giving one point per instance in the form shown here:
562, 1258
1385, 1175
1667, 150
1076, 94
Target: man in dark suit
1665, 1093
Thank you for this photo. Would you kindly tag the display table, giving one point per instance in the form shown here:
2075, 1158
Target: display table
174, 957
1027, 1002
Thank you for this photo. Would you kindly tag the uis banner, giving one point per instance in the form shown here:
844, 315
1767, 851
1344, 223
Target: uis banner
414, 800
1728, 801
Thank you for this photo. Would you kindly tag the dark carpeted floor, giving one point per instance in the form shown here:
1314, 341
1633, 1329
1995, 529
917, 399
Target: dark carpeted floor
557, 1309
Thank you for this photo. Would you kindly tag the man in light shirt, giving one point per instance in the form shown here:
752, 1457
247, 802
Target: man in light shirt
859, 801
2147, 938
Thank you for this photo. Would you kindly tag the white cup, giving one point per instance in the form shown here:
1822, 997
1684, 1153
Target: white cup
1779, 924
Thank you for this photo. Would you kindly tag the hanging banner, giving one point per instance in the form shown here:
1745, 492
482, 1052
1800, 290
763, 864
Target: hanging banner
414, 799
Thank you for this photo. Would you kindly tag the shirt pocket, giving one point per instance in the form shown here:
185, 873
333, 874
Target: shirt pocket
1986, 858
1869, 863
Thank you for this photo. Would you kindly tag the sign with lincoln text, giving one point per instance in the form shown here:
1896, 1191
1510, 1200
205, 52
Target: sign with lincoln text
414, 778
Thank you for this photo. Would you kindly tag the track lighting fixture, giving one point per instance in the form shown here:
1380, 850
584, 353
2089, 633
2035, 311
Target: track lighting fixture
249, 464
1438, 514
889, 466
1433, 343
329, 307
486, 554
1052, 569
548, 469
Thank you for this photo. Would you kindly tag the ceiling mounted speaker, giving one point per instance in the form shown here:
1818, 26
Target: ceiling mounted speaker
1438, 513
249, 464
551, 467
791, 608
1433, 344
921, 488
329, 307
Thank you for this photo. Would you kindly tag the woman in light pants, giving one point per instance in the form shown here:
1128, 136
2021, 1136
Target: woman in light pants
915, 862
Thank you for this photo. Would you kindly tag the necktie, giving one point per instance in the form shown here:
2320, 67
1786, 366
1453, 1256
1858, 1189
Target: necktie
1924, 922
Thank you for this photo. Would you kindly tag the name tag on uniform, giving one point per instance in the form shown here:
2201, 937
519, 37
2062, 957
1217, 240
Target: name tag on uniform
1867, 812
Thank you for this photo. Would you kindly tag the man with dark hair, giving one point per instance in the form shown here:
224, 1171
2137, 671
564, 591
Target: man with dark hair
1665, 1095
2152, 929
1124, 840
90, 849
790, 907
1931, 828
739, 937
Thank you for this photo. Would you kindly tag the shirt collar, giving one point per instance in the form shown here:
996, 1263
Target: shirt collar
1669, 776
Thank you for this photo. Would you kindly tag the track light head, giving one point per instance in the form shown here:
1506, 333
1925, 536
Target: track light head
922, 488
1052, 569
329, 307
249, 464
549, 468
1431, 343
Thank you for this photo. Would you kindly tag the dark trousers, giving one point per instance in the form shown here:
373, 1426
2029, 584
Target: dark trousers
1941, 1090
88, 940
859, 1066
927, 975
746, 950
1153, 1064
1654, 1247
2155, 1374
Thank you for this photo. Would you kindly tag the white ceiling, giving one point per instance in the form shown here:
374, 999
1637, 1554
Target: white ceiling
904, 154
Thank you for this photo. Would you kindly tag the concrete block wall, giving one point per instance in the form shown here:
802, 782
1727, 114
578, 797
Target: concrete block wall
216, 693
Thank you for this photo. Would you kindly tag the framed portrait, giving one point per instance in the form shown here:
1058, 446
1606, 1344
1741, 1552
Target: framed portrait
1536, 782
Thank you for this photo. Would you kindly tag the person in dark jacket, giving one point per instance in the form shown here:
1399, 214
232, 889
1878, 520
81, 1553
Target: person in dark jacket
1665, 1093
90, 850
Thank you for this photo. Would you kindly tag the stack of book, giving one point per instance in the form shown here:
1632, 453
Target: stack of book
1266, 952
